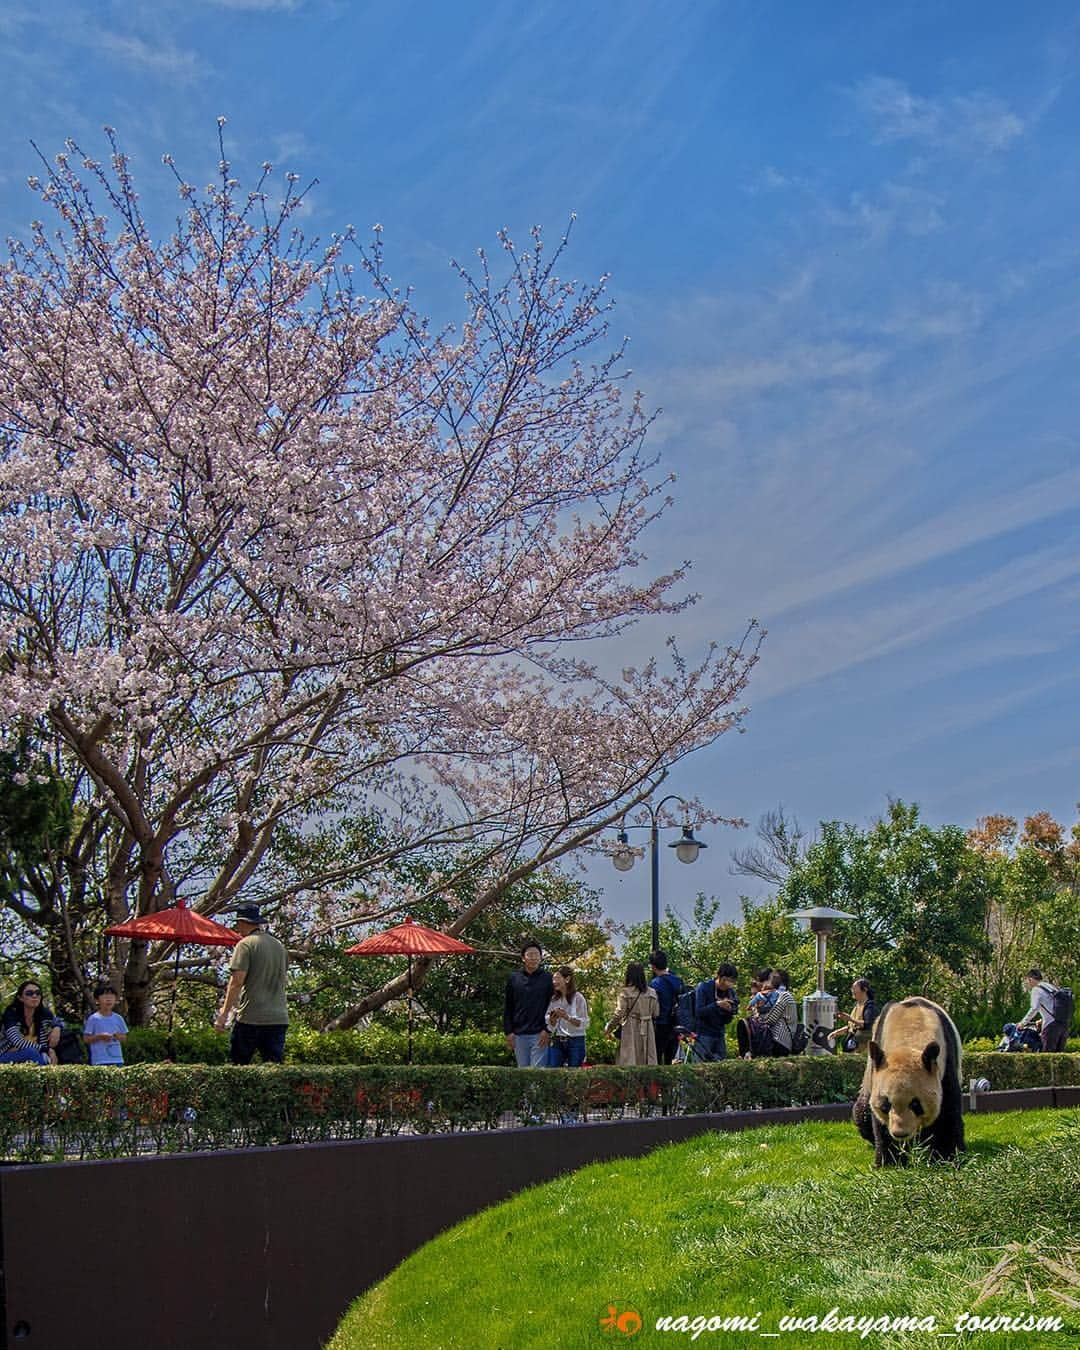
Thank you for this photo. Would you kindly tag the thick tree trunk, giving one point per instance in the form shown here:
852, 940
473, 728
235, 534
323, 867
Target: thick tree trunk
137, 985
67, 981
395, 988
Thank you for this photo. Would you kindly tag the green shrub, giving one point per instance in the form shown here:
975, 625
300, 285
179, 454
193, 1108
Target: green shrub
150, 1045
85, 1112
372, 1045
386, 1045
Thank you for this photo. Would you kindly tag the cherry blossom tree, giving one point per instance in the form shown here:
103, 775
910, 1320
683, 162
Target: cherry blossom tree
271, 546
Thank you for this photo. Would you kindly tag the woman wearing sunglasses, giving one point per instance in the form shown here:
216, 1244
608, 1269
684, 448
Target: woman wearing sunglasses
29, 1033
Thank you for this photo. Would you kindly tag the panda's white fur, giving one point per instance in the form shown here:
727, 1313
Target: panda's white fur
911, 1087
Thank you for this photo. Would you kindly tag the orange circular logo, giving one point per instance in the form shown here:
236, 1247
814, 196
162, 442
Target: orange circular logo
625, 1323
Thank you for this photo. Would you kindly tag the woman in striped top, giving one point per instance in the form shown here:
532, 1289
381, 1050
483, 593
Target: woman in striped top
783, 1017
772, 1027
29, 1033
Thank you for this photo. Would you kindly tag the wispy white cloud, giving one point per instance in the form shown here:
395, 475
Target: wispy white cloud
894, 206
794, 366
827, 643
951, 720
162, 59
797, 286
950, 531
1015, 771
976, 123
771, 179
944, 309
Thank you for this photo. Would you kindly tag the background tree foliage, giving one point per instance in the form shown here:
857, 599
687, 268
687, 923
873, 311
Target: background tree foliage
1033, 919
695, 946
920, 897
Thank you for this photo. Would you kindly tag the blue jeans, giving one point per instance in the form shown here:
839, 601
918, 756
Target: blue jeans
566, 1052
708, 1047
27, 1056
269, 1041
528, 1054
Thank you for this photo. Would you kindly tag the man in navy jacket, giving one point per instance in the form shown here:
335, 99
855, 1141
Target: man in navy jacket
668, 988
715, 1003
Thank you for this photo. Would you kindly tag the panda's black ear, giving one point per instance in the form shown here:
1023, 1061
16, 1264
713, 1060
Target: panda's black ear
877, 1054
930, 1054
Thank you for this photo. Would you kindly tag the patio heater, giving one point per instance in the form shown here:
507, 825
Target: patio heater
819, 1008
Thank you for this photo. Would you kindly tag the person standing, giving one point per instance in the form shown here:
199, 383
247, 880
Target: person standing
635, 1009
668, 988
778, 1022
256, 991
567, 1018
528, 993
105, 1030
715, 1002
1052, 1033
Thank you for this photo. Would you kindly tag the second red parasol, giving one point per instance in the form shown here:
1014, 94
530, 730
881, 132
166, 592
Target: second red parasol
409, 939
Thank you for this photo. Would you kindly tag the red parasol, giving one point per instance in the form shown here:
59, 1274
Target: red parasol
176, 925
180, 925
409, 939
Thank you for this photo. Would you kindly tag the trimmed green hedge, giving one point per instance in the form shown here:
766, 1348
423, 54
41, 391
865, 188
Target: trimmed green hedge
106, 1113
372, 1045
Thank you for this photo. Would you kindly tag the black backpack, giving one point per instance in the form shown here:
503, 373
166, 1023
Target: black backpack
1063, 1005
686, 1010
668, 988
70, 1049
801, 1039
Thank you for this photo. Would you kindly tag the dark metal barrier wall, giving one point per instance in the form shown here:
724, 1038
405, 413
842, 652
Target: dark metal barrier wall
264, 1249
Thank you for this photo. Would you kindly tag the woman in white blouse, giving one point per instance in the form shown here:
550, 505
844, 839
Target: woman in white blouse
567, 1018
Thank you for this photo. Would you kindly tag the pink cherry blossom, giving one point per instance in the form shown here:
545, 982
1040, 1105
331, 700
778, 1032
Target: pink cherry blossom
267, 542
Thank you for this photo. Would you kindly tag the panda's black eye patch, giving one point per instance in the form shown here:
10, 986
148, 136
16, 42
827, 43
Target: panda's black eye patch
916, 1106
884, 1105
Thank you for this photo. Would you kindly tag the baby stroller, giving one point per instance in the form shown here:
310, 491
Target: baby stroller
690, 1051
1015, 1039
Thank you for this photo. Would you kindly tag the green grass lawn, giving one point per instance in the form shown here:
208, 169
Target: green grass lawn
779, 1222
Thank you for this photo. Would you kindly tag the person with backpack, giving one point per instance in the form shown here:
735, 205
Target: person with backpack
668, 988
771, 1031
1052, 1006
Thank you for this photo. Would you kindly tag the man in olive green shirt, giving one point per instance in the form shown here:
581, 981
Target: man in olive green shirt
256, 990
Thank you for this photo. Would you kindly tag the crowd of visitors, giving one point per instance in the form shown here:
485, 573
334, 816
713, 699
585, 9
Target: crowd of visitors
545, 1015
660, 1019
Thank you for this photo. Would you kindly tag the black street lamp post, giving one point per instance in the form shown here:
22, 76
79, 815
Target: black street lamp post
686, 849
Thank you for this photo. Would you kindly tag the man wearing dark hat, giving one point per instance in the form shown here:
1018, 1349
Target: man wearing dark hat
256, 990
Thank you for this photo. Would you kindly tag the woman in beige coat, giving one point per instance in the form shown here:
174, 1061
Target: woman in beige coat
636, 1007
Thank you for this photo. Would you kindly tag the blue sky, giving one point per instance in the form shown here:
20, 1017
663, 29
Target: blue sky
843, 243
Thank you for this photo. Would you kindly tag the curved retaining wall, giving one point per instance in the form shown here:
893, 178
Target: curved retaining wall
263, 1249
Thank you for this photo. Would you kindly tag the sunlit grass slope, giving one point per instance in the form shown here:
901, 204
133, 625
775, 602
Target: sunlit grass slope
785, 1221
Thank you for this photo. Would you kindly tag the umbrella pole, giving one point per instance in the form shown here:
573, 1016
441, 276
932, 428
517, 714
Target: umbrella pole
410, 1009
170, 1049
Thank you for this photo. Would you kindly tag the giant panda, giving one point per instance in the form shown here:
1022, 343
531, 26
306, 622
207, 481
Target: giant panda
911, 1087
